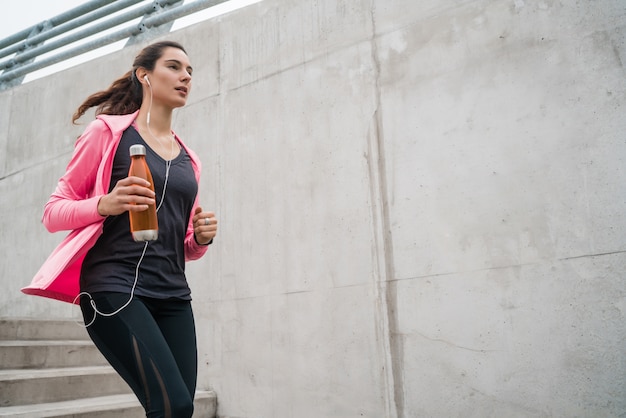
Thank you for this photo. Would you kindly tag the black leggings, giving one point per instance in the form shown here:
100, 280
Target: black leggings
151, 343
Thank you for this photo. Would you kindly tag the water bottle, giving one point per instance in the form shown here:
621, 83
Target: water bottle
144, 225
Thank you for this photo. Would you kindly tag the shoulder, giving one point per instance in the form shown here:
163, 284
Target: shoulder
96, 125
95, 132
104, 130
116, 123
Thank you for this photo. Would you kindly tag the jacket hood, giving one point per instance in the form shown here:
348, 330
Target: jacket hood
118, 123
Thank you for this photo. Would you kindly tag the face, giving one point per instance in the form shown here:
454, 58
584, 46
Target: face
171, 78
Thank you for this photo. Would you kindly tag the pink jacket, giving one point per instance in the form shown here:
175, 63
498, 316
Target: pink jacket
74, 206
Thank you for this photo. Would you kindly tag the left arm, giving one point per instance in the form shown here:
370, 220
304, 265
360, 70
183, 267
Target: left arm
202, 226
201, 230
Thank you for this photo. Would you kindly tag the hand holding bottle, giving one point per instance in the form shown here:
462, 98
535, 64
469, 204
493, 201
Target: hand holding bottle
129, 194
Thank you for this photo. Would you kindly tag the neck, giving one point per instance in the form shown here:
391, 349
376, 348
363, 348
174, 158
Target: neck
160, 119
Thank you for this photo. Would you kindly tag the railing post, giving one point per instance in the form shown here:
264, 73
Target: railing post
36, 30
149, 32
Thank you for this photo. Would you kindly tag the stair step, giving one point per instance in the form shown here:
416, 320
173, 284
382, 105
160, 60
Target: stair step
113, 406
36, 329
42, 353
50, 368
22, 386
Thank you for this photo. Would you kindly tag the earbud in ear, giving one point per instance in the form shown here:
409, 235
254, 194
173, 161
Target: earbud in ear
145, 77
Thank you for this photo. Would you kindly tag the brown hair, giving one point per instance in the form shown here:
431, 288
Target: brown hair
125, 94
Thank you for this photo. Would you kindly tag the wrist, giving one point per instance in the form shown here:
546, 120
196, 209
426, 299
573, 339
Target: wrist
199, 243
100, 208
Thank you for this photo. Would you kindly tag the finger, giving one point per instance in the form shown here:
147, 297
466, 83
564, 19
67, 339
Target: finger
137, 208
206, 232
140, 200
196, 213
137, 203
201, 215
202, 223
130, 180
136, 190
130, 197
207, 220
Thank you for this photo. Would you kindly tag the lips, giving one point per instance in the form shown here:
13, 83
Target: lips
182, 89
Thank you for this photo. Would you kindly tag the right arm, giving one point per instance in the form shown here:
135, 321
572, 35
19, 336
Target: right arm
74, 203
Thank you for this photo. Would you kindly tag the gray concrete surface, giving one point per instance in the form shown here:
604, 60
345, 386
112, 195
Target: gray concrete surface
421, 205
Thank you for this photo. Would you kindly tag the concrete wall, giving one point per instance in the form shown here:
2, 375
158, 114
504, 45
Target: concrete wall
422, 205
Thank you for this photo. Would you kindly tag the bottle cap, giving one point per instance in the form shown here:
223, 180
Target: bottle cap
137, 149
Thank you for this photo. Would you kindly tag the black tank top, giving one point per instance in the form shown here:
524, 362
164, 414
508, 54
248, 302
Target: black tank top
110, 264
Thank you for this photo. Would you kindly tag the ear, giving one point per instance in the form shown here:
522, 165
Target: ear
140, 73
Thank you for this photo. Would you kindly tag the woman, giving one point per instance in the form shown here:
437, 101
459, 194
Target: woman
134, 296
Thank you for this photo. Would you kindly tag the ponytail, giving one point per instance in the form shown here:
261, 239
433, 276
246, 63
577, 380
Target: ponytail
125, 95
122, 97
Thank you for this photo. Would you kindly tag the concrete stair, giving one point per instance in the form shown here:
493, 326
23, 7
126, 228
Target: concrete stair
50, 368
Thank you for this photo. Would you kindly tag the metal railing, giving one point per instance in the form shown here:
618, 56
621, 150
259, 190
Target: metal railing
24, 47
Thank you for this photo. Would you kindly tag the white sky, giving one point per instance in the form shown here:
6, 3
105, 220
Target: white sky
18, 15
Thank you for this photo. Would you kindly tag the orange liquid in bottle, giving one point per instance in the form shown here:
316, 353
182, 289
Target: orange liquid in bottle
144, 225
